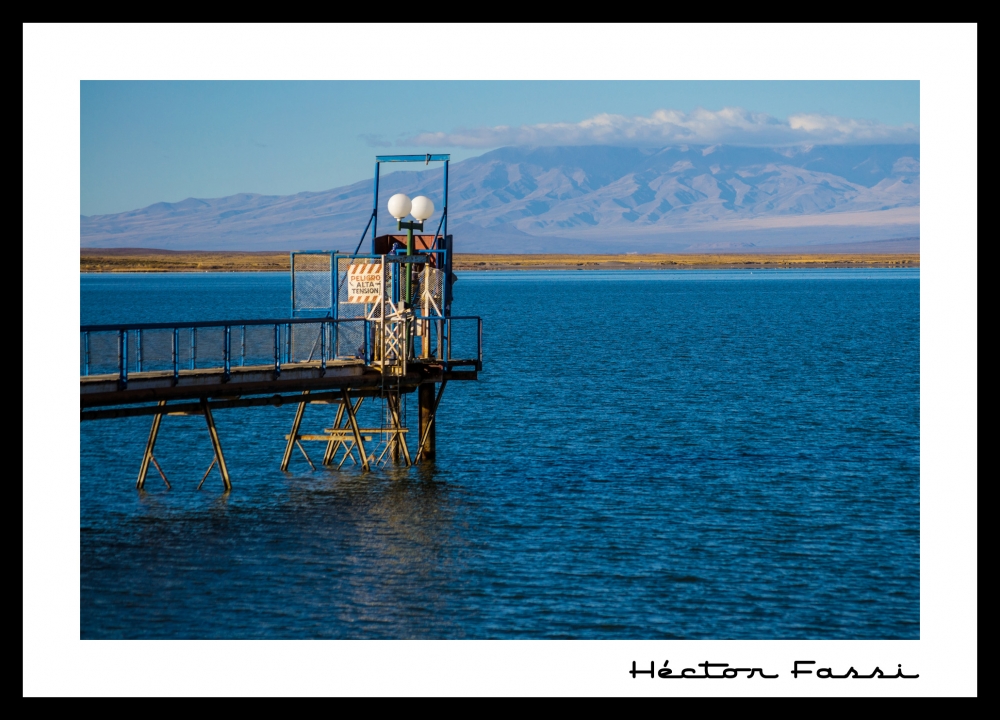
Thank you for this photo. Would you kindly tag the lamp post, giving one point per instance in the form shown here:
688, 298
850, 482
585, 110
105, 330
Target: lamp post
421, 208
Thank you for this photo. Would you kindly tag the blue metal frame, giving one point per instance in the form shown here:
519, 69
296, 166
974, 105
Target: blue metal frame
426, 158
441, 243
123, 358
296, 312
281, 349
227, 352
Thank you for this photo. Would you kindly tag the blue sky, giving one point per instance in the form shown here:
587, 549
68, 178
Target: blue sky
149, 141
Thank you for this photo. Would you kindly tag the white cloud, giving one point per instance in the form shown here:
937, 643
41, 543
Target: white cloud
731, 125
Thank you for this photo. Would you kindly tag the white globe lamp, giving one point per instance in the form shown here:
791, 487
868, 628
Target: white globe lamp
422, 208
399, 205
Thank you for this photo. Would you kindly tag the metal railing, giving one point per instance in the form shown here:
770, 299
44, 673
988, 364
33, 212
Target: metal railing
219, 345
222, 345
459, 338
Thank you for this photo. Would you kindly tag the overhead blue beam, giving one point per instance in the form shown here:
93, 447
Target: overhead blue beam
427, 157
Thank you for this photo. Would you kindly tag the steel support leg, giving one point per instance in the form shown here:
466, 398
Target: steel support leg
147, 456
332, 445
425, 397
294, 436
160, 470
305, 455
427, 431
393, 444
357, 430
399, 438
205, 476
216, 445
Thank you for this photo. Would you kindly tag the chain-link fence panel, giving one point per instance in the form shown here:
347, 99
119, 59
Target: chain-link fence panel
210, 347
350, 339
306, 342
347, 303
350, 336
256, 345
431, 292
312, 283
151, 350
100, 352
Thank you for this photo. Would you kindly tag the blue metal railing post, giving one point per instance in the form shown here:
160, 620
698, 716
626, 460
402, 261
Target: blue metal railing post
277, 360
334, 340
243, 344
446, 241
368, 354
86, 353
333, 285
291, 262
357, 248
444, 208
226, 353
375, 208
175, 351
138, 350
123, 357
480, 343
194, 345
437, 234
322, 348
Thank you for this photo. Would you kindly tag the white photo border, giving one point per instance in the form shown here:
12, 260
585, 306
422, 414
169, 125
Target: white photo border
56, 58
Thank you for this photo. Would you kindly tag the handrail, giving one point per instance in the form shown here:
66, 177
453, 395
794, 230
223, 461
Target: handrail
214, 323
281, 347
282, 343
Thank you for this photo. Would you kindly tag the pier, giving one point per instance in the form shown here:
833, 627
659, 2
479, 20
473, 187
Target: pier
363, 328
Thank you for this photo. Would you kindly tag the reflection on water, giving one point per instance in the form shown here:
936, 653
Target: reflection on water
740, 462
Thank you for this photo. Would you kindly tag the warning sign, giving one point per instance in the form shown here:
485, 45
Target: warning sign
364, 282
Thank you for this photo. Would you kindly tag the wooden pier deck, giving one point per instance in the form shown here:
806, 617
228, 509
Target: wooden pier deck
353, 374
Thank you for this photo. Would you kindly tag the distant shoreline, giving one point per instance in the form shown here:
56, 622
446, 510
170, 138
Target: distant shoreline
99, 260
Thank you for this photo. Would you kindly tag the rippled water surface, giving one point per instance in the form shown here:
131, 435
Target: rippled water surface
686, 454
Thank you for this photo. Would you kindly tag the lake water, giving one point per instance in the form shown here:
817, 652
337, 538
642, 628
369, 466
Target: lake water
676, 454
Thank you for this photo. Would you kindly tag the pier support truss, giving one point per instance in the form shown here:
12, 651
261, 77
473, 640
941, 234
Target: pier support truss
218, 458
345, 441
349, 441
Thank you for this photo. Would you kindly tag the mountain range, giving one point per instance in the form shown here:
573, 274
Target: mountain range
583, 198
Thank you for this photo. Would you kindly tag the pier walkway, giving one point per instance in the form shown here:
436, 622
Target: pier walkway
142, 363
158, 369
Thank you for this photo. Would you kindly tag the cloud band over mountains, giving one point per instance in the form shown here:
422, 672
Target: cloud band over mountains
730, 125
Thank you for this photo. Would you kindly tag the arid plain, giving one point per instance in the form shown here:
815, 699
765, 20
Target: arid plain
142, 260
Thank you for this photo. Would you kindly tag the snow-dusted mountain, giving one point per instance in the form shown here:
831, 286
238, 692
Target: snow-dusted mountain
560, 198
